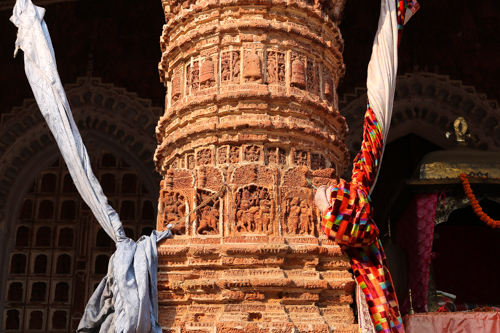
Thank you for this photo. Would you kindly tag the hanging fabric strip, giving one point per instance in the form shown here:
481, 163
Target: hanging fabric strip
347, 213
126, 300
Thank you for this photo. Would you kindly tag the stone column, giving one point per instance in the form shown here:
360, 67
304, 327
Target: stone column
251, 107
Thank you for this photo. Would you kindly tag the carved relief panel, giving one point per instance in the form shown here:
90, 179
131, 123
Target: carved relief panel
300, 157
175, 201
234, 154
230, 67
254, 210
276, 67
209, 217
173, 207
176, 87
276, 155
328, 84
228, 154
298, 72
182, 162
207, 74
190, 161
208, 68
175, 164
253, 153
318, 161
222, 155
204, 157
298, 212
252, 65
192, 77
312, 77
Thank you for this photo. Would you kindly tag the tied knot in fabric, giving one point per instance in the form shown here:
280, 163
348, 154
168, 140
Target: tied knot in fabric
349, 218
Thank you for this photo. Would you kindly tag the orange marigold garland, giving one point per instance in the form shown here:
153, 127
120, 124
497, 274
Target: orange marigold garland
475, 204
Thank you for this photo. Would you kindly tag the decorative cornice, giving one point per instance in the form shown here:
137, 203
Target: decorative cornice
99, 109
427, 104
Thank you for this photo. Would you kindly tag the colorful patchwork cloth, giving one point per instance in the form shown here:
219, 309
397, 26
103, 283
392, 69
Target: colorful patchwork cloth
348, 218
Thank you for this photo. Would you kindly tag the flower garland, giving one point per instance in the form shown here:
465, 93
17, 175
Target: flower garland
475, 204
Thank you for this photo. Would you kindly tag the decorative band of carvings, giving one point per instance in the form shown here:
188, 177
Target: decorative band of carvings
301, 104
301, 15
281, 154
260, 200
328, 10
267, 72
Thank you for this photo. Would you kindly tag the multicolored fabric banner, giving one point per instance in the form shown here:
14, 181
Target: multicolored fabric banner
348, 218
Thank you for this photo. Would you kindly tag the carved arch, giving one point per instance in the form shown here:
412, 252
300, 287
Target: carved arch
118, 120
427, 104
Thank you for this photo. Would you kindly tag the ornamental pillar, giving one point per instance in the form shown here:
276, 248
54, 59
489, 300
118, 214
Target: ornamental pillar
251, 113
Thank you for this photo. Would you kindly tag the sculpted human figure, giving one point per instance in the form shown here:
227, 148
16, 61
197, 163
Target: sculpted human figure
174, 211
252, 153
271, 68
241, 225
208, 221
293, 211
236, 67
281, 67
226, 70
247, 209
234, 154
306, 225
264, 215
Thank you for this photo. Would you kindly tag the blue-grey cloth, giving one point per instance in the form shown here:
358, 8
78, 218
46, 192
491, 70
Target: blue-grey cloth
126, 300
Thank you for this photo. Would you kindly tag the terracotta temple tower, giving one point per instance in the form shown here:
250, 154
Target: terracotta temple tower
251, 115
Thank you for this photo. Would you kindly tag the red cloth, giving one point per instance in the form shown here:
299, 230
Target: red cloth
349, 222
453, 322
415, 234
349, 219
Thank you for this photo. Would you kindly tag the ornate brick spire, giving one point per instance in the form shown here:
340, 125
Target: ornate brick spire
251, 105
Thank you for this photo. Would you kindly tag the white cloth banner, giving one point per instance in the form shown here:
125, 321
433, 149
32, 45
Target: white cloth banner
126, 300
383, 67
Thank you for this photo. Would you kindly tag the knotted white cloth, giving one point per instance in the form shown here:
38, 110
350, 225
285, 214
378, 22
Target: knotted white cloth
127, 299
